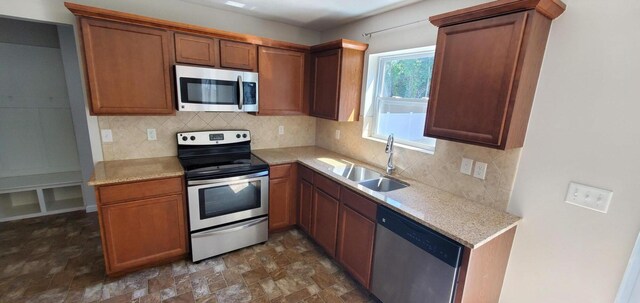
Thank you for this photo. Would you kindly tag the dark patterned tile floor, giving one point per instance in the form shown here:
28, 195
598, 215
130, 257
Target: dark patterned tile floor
59, 259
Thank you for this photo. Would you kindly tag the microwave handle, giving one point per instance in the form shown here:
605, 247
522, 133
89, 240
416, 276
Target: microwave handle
241, 90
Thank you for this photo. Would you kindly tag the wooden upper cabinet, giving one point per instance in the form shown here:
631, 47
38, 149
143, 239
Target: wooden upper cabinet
486, 70
128, 68
326, 83
195, 50
282, 82
337, 69
238, 55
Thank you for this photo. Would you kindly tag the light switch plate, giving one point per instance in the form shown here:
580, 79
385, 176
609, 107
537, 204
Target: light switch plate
466, 165
151, 134
107, 135
480, 170
590, 197
280, 130
337, 134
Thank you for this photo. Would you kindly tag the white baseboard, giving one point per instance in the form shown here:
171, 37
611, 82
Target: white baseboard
91, 208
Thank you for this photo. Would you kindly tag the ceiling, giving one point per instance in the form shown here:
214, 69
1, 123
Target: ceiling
312, 14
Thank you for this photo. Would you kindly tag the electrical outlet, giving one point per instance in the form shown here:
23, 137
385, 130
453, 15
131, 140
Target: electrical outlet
590, 197
280, 130
151, 134
107, 135
466, 166
337, 134
480, 170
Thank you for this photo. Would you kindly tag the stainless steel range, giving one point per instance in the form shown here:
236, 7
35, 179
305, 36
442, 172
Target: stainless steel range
228, 191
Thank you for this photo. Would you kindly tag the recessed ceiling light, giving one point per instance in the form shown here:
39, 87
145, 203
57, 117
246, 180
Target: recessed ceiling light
235, 4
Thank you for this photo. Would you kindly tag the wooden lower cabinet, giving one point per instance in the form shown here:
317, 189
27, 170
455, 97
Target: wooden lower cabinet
346, 227
282, 192
142, 231
324, 226
355, 244
305, 196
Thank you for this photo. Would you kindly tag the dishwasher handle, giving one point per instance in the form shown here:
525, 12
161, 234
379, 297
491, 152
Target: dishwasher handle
434, 243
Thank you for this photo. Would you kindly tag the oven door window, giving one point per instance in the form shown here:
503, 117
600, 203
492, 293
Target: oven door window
227, 199
208, 91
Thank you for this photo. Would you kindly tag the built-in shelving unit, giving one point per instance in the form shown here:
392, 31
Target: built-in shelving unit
37, 195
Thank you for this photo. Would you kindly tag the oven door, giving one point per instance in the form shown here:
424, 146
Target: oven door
215, 202
209, 89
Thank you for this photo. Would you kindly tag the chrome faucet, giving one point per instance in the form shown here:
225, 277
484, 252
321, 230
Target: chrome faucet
389, 150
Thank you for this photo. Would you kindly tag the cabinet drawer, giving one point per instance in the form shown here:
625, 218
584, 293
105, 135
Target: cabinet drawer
279, 171
362, 205
306, 173
139, 190
325, 184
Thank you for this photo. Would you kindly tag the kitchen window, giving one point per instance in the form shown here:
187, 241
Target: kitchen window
399, 103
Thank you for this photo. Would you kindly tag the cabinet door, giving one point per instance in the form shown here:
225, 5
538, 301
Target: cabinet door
326, 87
324, 228
282, 78
474, 70
128, 68
280, 203
195, 50
355, 244
143, 232
305, 205
238, 55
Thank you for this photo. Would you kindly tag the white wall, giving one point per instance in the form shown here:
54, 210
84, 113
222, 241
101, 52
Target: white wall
83, 124
174, 10
584, 127
36, 130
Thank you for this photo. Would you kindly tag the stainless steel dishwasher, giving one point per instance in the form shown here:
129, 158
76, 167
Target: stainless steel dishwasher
413, 263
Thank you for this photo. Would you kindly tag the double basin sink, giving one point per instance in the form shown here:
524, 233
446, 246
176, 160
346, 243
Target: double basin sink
369, 178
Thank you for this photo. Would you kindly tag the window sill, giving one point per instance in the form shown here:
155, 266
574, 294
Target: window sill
429, 151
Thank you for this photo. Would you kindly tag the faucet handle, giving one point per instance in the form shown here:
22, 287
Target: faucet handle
389, 147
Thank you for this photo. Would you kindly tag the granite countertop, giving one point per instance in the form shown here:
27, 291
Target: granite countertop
467, 222
119, 171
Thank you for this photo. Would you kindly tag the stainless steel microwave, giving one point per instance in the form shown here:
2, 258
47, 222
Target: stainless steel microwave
216, 90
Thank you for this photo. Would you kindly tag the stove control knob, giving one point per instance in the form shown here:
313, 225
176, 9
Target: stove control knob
184, 138
238, 136
244, 135
193, 138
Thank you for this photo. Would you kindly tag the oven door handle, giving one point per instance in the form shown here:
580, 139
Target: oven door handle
230, 179
230, 228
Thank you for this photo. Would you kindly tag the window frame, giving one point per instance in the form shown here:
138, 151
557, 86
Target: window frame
381, 59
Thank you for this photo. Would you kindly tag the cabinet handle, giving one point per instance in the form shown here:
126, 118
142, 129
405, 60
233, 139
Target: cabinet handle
241, 90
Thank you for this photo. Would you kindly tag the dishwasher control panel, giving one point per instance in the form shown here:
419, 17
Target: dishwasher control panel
421, 236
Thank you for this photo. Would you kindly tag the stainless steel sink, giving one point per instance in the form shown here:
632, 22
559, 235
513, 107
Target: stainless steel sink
357, 173
383, 184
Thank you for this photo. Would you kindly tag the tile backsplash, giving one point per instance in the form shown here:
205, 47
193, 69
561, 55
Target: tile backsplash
130, 132
440, 170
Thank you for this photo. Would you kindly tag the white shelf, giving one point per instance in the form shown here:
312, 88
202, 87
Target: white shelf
11, 184
19, 204
38, 195
60, 198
